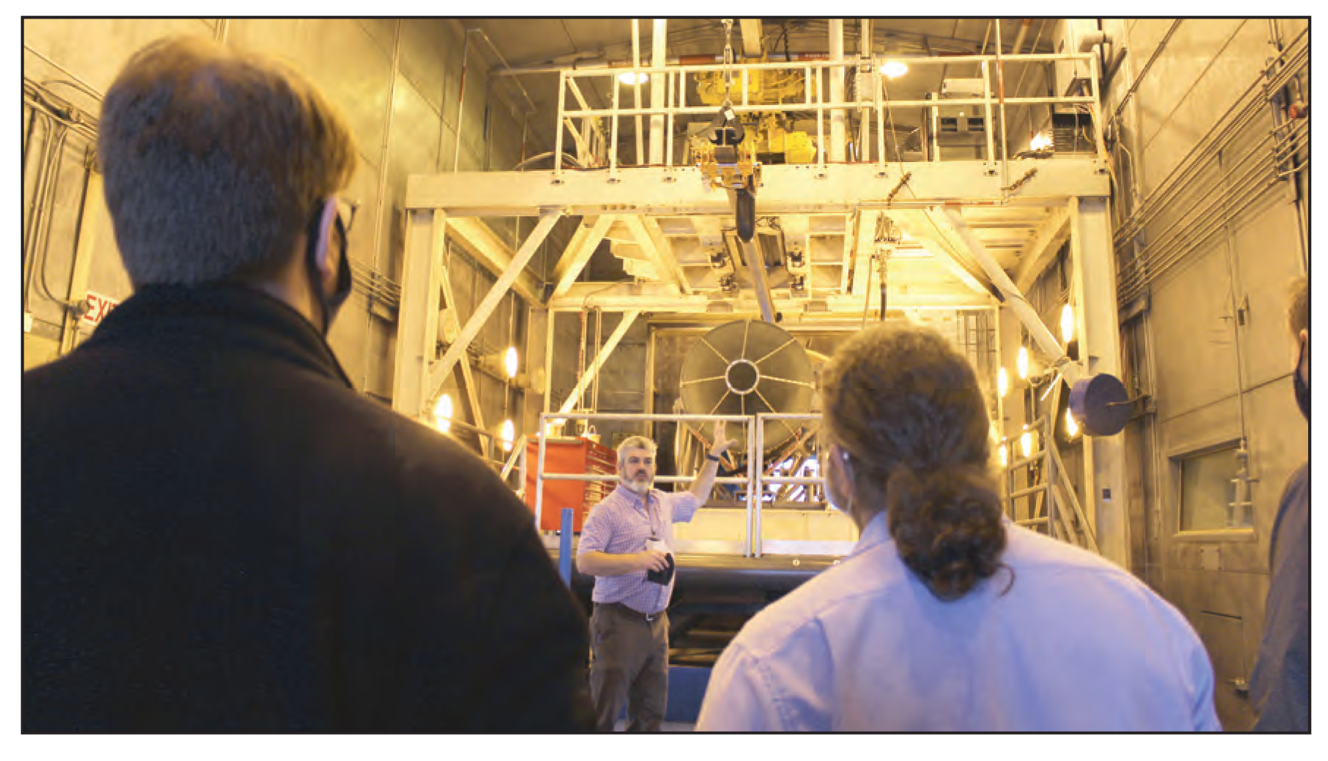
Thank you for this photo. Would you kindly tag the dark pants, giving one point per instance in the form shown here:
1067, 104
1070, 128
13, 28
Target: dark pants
629, 665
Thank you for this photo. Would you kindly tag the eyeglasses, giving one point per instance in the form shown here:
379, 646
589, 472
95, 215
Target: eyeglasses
346, 214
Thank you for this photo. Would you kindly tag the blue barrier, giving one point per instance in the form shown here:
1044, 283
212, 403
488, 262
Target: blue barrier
565, 548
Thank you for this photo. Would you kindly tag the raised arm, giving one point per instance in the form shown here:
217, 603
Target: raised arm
705, 480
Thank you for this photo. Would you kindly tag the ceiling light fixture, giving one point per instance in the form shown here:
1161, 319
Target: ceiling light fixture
894, 69
632, 78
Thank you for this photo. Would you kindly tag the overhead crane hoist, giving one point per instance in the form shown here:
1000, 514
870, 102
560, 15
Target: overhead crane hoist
726, 159
730, 163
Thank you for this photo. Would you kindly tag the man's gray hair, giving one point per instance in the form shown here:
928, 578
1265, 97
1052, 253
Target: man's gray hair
635, 442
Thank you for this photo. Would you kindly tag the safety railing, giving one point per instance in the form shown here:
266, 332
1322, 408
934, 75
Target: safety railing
762, 481
874, 105
754, 479
541, 475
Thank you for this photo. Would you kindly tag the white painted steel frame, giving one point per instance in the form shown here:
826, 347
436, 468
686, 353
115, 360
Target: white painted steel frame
438, 374
602, 354
760, 480
834, 68
784, 189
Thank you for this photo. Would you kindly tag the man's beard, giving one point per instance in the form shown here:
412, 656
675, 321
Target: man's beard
638, 484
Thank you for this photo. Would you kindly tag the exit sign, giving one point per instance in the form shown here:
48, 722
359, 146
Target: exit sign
98, 307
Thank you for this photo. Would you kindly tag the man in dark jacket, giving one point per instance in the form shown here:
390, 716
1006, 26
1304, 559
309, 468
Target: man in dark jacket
219, 534
1280, 685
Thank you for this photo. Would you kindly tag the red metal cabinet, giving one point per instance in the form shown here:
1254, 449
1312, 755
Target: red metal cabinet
569, 455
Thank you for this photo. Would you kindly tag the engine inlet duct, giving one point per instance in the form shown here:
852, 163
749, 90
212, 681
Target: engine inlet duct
748, 367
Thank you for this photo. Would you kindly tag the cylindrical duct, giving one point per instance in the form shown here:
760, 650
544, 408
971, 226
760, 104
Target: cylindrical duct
744, 368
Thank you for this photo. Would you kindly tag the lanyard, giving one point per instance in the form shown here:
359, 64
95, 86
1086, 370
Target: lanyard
650, 517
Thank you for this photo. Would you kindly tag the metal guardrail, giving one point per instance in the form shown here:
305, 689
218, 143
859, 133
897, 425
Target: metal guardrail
674, 80
1057, 496
754, 479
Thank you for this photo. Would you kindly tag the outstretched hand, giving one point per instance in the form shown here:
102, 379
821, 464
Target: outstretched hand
722, 442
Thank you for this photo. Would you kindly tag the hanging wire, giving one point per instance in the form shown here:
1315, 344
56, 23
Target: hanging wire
728, 60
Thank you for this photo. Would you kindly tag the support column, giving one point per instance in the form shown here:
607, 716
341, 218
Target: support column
837, 132
1099, 342
472, 388
417, 321
657, 60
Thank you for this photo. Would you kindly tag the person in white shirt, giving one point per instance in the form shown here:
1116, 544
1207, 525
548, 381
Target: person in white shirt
946, 616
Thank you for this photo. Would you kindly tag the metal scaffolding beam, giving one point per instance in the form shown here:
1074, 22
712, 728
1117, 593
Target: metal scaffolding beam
658, 251
785, 189
440, 371
1014, 299
655, 297
492, 254
601, 356
1042, 247
417, 322
578, 252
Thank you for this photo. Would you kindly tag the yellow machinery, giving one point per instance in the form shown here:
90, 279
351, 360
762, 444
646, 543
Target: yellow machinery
764, 87
728, 160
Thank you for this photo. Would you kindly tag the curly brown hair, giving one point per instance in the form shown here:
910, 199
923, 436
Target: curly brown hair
906, 407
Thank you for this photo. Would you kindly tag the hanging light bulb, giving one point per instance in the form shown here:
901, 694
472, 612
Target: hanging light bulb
508, 435
1071, 427
1005, 457
1026, 442
442, 413
1039, 141
1067, 323
1002, 382
632, 78
1022, 362
510, 362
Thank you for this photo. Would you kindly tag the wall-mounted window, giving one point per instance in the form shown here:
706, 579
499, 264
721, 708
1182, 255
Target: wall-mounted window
1208, 492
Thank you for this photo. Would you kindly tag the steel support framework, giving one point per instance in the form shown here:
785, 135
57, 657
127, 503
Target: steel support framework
602, 354
919, 195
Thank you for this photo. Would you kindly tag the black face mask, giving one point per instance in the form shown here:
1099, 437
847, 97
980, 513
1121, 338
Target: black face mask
1302, 388
330, 303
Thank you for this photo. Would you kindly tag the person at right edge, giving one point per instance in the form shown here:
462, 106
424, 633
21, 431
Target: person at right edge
946, 616
1280, 684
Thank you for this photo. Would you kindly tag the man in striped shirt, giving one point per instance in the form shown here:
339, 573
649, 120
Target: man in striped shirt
626, 545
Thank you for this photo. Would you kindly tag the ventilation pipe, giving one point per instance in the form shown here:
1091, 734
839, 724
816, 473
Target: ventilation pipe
1092, 39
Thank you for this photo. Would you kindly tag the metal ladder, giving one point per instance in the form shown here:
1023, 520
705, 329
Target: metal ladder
1052, 507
